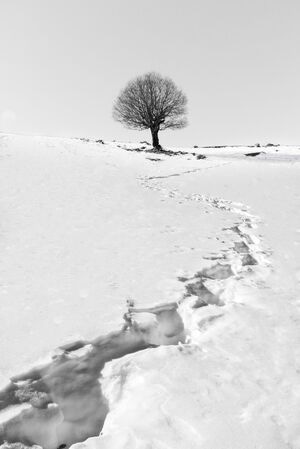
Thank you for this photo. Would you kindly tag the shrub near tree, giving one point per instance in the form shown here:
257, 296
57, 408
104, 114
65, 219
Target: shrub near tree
151, 102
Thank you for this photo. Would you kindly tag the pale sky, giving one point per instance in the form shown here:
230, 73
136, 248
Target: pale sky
63, 63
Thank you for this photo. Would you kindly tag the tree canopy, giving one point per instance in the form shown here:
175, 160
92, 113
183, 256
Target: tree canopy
151, 102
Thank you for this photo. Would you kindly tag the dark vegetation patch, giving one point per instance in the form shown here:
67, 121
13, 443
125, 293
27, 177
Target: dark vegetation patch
83, 139
162, 151
154, 159
88, 140
156, 151
256, 153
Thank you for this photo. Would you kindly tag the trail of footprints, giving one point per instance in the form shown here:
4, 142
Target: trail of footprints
237, 263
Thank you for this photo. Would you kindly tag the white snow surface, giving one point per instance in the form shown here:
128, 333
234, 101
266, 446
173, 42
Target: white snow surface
85, 226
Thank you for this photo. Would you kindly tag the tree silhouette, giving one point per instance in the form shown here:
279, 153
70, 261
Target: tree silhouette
151, 102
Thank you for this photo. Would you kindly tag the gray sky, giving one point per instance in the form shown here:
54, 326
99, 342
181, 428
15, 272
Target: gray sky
63, 62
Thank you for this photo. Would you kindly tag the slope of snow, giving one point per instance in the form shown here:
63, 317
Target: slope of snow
86, 225
81, 233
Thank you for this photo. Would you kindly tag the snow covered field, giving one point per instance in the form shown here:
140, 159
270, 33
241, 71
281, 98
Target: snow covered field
85, 226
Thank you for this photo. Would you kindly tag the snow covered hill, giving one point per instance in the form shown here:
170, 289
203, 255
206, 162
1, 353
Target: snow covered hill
87, 225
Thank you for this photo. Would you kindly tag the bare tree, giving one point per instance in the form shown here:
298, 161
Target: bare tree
151, 102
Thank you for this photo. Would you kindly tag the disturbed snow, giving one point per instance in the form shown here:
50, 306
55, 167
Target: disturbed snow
85, 226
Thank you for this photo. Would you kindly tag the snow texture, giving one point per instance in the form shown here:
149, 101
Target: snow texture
86, 225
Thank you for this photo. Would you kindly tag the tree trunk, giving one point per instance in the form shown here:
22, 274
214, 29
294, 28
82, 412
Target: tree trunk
155, 141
